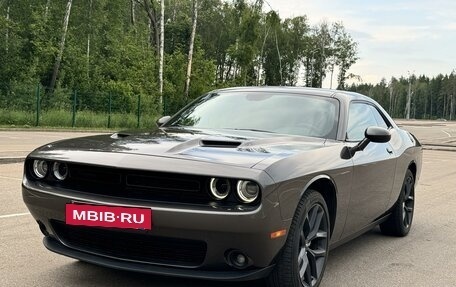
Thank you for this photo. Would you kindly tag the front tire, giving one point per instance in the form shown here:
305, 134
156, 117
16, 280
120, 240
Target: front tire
304, 256
400, 220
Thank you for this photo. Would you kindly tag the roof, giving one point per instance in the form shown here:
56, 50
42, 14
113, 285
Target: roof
349, 96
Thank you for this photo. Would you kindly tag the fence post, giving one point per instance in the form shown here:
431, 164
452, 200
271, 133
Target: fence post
139, 109
165, 106
37, 105
74, 109
109, 112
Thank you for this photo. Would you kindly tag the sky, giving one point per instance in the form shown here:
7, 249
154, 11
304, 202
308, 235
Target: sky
394, 37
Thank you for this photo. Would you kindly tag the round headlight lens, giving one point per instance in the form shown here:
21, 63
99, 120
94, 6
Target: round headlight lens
220, 188
40, 168
60, 170
247, 190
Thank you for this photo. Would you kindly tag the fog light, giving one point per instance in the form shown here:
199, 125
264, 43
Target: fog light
237, 259
240, 259
60, 170
40, 168
220, 188
247, 190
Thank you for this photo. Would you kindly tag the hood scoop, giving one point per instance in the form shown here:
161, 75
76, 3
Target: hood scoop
220, 143
120, 135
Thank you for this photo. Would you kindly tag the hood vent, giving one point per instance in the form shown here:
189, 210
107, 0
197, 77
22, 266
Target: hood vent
120, 135
220, 143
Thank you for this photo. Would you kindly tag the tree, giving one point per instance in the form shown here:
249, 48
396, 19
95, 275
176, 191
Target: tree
190, 50
7, 29
162, 45
346, 50
58, 59
153, 24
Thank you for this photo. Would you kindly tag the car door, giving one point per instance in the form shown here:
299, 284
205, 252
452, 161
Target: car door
373, 169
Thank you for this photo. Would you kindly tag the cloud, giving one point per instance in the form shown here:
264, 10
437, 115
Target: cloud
388, 34
394, 36
450, 26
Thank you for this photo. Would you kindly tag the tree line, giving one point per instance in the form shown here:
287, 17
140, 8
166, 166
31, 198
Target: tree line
167, 52
430, 98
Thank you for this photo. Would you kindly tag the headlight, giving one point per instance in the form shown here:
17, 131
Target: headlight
247, 191
220, 188
60, 170
40, 168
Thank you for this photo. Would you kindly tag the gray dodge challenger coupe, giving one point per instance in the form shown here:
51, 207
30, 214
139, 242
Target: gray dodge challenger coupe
241, 184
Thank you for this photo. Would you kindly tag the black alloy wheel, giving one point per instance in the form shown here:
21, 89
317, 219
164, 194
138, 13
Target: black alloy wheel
313, 244
408, 204
400, 220
305, 253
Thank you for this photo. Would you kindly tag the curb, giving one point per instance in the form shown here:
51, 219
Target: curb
6, 160
439, 148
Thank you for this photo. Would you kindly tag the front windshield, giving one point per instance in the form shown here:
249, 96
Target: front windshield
264, 112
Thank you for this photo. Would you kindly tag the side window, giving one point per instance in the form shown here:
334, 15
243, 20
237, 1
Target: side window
380, 120
360, 117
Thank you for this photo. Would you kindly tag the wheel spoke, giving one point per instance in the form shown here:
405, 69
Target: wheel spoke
315, 227
302, 238
407, 205
316, 253
321, 235
313, 217
408, 187
303, 263
305, 273
313, 264
406, 219
407, 190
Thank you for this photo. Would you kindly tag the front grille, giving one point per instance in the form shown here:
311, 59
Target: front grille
135, 184
132, 245
142, 185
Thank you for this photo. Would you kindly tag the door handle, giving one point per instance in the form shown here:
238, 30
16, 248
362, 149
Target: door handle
390, 151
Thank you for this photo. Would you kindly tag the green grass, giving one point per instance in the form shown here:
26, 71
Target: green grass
83, 119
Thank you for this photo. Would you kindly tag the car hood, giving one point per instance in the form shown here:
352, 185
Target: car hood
234, 147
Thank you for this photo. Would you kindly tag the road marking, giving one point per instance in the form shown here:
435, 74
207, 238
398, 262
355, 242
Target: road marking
448, 134
14, 215
7, 177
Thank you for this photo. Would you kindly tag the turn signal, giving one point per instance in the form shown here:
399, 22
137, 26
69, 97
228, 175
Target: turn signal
278, 234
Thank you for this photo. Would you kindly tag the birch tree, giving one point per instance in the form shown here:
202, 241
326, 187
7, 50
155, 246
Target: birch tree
162, 47
88, 40
7, 28
190, 51
133, 12
58, 59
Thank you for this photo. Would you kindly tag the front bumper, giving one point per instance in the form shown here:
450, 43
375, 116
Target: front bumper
221, 231
238, 275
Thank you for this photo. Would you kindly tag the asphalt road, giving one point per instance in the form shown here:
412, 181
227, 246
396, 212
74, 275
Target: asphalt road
425, 258
433, 134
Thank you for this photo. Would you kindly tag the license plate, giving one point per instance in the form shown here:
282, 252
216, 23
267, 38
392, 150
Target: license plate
108, 216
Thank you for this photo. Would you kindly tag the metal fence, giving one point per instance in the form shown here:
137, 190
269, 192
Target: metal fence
36, 105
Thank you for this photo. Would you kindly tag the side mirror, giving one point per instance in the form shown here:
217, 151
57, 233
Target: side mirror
377, 135
162, 120
371, 134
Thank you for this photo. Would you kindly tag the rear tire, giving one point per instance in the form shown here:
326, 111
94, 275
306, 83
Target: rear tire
400, 221
304, 256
